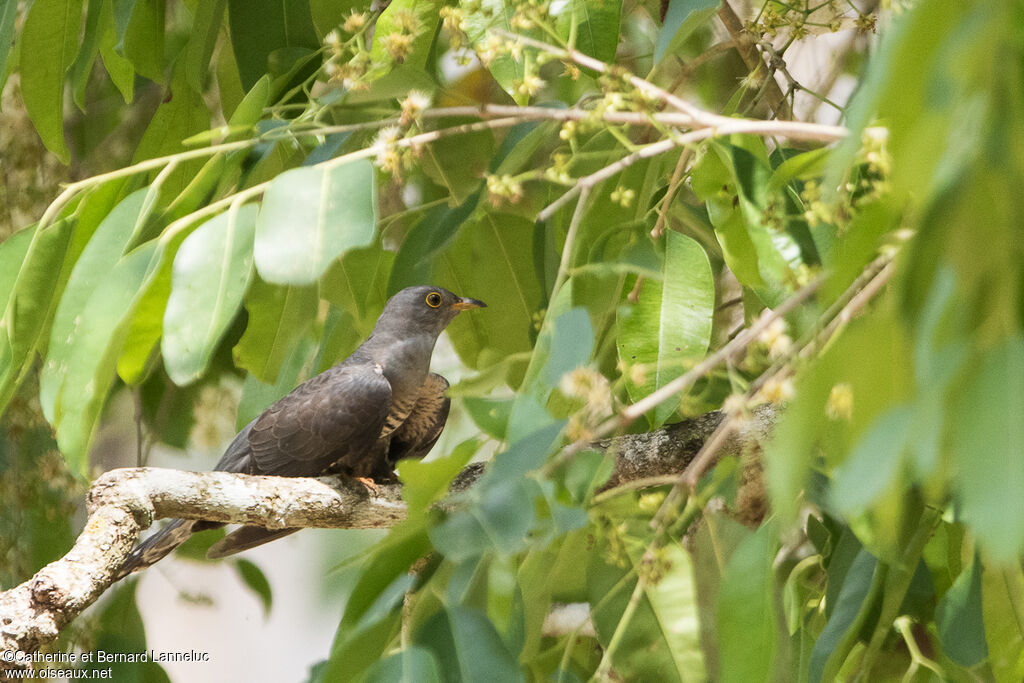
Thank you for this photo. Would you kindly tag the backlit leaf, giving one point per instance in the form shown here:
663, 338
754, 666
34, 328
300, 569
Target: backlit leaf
312, 215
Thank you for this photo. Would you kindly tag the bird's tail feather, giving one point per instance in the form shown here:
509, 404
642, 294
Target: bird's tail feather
157, 546
244, 538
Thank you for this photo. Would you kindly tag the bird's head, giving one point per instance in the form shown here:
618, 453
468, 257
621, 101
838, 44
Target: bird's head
424, 309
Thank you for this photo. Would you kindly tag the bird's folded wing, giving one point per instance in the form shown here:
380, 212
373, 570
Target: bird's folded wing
338, 413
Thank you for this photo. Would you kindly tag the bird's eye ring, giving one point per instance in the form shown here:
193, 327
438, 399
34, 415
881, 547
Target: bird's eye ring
434, 300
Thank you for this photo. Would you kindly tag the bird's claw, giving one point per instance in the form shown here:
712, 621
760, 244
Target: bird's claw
370, 484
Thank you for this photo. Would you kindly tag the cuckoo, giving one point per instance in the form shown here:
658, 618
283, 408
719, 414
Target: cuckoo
359, 418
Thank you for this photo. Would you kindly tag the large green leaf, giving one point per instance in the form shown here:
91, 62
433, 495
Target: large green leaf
855, 588
482, 19
683, 18
140, 35
491, 259
593, 25
31, 302
660, 642
180, 116
8, 11
748, 627
120, 69
212, 270
357, 284
458, 162
409, 665
98, 11
259, 28
93, 267
986, 448
51, 33
1003, 614
206, 25
374, 609
670, 325
392, 21
92, 357
278, 319
312, 215
467, 647
13, 251
959, 619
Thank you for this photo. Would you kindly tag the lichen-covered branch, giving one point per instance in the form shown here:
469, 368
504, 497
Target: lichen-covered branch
124, 502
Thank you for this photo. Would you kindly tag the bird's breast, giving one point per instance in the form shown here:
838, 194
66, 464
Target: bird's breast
400, 409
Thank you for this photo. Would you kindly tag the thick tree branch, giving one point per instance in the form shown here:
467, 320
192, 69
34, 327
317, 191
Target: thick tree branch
123, 502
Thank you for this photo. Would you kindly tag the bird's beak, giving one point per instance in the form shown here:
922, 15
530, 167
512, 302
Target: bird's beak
465, 303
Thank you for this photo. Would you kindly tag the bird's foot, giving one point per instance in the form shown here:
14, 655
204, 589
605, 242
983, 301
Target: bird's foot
370, 484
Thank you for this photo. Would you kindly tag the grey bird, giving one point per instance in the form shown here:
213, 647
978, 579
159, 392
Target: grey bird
359, 418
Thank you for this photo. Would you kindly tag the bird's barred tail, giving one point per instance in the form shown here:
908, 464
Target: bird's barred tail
157, 546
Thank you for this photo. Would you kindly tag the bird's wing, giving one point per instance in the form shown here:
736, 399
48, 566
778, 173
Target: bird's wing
424, 424
336, 414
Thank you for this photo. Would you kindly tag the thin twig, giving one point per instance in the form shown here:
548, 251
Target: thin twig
795, 130
570, 241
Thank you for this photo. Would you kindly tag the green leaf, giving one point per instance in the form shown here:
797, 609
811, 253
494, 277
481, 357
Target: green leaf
278, 319
329, 14
594, 24
748, 627
82, 67
93, 267
374, 609
181, 115
875, 462
959, 619
212, 271
481, 21
12, 254
660, 641
490, 414
311, 216
92, 355
426, 482
256, 580
30, 305
467, 647
565, 343
140, 35
869, 360
1003, 615
357, 284
121, 71
986, 448
205, 28
409, 665
262, 27
458, 162
8, 12
682, 20
670, 325
856, 585
499, 518
491, 259
415, 261
51, 32
390, 21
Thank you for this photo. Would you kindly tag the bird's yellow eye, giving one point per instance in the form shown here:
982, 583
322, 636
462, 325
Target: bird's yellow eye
434, 300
